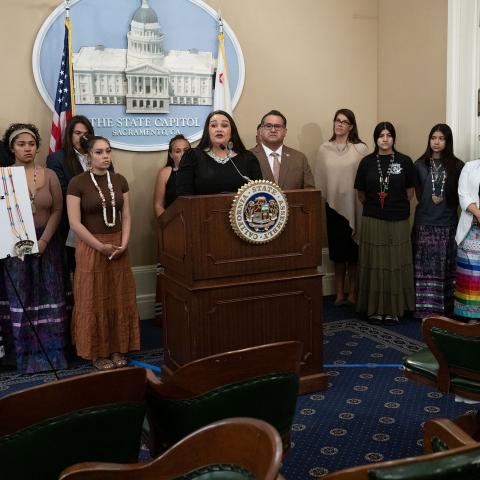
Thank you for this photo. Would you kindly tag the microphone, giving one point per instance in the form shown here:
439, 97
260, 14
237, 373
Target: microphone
228, 148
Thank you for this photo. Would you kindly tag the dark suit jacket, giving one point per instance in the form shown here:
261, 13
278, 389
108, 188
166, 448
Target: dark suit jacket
294, 168
5, 159
56, 162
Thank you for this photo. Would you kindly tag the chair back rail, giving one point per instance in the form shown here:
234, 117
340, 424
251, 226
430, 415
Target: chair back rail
22, 409
457, 464
246, 442
207, 373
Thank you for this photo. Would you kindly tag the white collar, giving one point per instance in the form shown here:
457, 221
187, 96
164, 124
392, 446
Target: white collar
269, 151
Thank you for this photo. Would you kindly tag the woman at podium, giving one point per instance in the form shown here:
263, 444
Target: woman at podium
220, 163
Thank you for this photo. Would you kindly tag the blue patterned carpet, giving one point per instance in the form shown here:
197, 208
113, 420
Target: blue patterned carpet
369, 413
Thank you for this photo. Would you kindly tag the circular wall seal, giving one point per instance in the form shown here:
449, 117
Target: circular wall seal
259, 211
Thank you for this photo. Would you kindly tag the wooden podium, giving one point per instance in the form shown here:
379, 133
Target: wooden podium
221, 293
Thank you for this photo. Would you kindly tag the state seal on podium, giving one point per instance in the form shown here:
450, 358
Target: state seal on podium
259, 211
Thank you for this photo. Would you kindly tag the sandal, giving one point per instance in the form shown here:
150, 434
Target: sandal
375, 319
103, 364
119, 360
391, 320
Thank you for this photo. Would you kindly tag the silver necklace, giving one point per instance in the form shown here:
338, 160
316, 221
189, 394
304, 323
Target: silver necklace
384, 179
341, 147
104, 203
221, 160
436, 171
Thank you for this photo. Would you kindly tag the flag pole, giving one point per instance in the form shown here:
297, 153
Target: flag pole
222, 99
64, 96
68, 25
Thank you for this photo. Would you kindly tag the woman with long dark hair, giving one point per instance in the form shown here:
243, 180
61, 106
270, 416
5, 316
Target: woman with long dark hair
165, 186
71, 160
385, 183
433, 236
334, 171
220, 163
105, 322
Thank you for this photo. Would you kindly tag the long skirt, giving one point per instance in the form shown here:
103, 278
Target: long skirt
105, 317
467, 289
385, 268
434, 252
341, 247
35, 300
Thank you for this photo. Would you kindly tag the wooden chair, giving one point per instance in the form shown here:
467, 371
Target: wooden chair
457, 464
94, 417
442, 434
260, 382
232, 449
451, 361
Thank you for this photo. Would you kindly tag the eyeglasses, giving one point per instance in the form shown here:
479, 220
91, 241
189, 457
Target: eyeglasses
345, 123
272, 126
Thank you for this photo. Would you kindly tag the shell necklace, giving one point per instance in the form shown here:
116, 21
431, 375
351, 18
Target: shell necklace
104, 203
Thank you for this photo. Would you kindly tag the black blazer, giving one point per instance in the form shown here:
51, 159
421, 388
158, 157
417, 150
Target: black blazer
5, 159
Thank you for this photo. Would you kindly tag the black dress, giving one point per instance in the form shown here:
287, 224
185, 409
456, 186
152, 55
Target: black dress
199, 174
171, 188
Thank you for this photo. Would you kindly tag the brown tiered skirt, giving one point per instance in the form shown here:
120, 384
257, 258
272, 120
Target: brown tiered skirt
105, 316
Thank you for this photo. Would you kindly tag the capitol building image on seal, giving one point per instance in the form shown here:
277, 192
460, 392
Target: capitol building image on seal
144, 77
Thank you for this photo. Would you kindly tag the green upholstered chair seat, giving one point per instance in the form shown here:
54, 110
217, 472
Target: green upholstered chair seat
466, 384
251, 398
463, 466
218, 472
423, 363
106, 433
459, 350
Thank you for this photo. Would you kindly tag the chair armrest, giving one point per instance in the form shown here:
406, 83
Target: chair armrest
447, 432
453, 327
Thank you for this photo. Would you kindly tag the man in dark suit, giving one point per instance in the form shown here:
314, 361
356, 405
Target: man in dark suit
287, 167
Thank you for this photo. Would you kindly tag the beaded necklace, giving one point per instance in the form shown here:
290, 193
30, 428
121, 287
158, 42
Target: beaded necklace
437, 181
104, 203
24, 245
221, 160
34, 193
384, 180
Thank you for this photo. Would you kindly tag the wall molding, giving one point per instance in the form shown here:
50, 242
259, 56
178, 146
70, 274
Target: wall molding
145, 281
463, 76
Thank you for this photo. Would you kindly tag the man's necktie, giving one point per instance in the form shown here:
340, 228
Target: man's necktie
276, 166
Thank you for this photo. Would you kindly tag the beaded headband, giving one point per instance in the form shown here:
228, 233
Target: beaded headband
15, 133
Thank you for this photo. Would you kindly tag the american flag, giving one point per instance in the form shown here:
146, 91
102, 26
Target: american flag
64, 99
